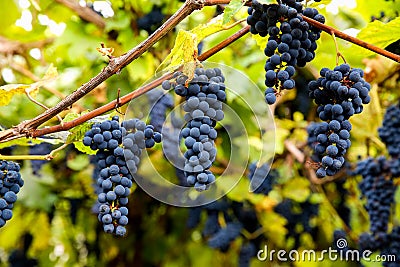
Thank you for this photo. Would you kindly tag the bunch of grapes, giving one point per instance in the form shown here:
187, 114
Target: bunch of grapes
291, 42
118, 154
159, 103
390, 135
10, 184
204, 96
261, 178
339, 93
378, 191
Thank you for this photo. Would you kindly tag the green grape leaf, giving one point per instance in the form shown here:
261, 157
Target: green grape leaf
380, 34
9, 90
78, 132
231, 9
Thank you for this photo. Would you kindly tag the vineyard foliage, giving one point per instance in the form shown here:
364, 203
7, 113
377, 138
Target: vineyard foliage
48, 50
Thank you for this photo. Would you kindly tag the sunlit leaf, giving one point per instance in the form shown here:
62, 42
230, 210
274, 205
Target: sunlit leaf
231, 9
184, 50
380, 34
9, 90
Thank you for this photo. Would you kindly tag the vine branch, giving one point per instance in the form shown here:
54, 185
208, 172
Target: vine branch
84, 12
138, 92
330, 30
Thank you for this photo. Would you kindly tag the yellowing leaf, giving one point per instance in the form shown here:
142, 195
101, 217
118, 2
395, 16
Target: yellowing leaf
213, 26
380, 34
9, 90
231, 9
185, 47
184, 50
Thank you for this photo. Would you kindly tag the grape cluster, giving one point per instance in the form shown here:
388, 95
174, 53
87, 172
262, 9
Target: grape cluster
119, 149
389, 134
159, 103
339, 93
261, 178
204, 96
291, 42
10, 184
39, 149
389, 131
378, 191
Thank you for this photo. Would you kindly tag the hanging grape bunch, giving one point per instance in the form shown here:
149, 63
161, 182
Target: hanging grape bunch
291, 41
118, 155
339, 93
204, 95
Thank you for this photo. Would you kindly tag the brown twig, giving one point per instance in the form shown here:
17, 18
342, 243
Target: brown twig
138, 92
85, 13
330, 30
14, 47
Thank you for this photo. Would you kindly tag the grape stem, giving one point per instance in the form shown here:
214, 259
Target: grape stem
49, 156
338, 54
